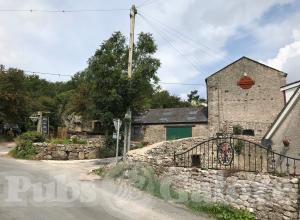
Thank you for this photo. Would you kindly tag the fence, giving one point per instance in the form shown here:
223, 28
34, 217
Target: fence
230, 153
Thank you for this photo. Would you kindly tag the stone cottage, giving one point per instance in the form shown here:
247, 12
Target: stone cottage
156, 125
284, 134
246, 94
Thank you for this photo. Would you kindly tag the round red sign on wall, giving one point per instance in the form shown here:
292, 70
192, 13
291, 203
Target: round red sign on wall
246, 82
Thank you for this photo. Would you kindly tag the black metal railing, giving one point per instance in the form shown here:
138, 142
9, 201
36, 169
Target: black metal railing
230, 153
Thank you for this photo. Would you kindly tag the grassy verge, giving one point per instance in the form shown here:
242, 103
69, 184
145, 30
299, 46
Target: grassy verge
145, 179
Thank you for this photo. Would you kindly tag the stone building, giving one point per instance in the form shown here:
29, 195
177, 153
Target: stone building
242, 97
245, 94
156, 125
284, 134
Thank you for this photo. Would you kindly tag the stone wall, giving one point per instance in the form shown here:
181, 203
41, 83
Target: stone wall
152, 134
161, 154
269, 197
255, 108
48, 151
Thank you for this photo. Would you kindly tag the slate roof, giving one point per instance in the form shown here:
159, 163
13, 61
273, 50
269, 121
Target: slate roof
173, 116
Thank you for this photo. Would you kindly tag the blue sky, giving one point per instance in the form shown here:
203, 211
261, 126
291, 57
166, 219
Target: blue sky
216, 32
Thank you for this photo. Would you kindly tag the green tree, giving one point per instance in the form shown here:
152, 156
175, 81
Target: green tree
13, 96
163, 99
193, 96
105, 91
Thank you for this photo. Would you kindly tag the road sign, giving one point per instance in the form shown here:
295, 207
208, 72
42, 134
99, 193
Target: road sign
45, 125
117, 123
115, 136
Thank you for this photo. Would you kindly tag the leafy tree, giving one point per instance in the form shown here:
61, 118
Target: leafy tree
163, 99
13, 97
195, 97
105, 91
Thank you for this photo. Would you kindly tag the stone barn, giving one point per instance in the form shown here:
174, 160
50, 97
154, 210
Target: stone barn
156, 125
244, 97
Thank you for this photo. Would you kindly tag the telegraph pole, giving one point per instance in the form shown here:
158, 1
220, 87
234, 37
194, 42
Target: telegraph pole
128, 115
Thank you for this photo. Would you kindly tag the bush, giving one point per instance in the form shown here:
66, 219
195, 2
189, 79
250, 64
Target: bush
237, 130
239, 146
32, 136
220, 211
25, 148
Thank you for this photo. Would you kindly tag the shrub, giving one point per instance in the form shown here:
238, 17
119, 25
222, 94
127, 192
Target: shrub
32, 136
239, 146
25, 148
237, 130
220, 211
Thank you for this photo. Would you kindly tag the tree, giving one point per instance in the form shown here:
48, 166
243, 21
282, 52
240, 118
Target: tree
105, 91
163, 99
193, 97
13, 96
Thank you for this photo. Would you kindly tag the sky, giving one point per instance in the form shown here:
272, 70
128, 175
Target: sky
195, 38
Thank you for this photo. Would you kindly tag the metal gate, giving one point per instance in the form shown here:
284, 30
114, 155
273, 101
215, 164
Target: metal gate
230, 153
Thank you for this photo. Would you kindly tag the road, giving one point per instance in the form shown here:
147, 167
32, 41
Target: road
48, 190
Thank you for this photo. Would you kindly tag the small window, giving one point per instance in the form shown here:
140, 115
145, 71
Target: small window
248, 132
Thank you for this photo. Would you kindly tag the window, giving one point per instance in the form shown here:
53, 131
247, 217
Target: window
248, 132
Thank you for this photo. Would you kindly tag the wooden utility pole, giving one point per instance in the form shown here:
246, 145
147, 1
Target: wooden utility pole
128, 117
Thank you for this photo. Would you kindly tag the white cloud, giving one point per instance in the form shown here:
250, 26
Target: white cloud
63, 43
288, 57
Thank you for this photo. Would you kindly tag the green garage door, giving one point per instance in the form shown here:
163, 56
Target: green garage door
178, 132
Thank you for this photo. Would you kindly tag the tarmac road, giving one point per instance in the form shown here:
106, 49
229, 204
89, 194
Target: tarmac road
48, 190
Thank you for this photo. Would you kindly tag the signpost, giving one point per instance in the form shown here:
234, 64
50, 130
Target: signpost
117, 124
45, 125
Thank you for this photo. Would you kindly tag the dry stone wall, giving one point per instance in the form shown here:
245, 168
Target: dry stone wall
161, 154
269, 197
48, 151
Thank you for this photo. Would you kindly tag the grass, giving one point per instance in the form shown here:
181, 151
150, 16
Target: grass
144, 178
66, 141
27, 152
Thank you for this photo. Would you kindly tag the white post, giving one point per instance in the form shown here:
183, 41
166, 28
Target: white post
118, 133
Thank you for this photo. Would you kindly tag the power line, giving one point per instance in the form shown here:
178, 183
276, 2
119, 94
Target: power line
69, 75
147, 2
43, 73
167, 40
183, 84
209, 51
62, 11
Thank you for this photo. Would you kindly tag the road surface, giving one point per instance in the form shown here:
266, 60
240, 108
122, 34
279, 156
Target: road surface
48, 190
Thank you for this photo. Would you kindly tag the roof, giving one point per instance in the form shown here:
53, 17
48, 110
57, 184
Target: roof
285, 74
173, 116
290, 85
283, 114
